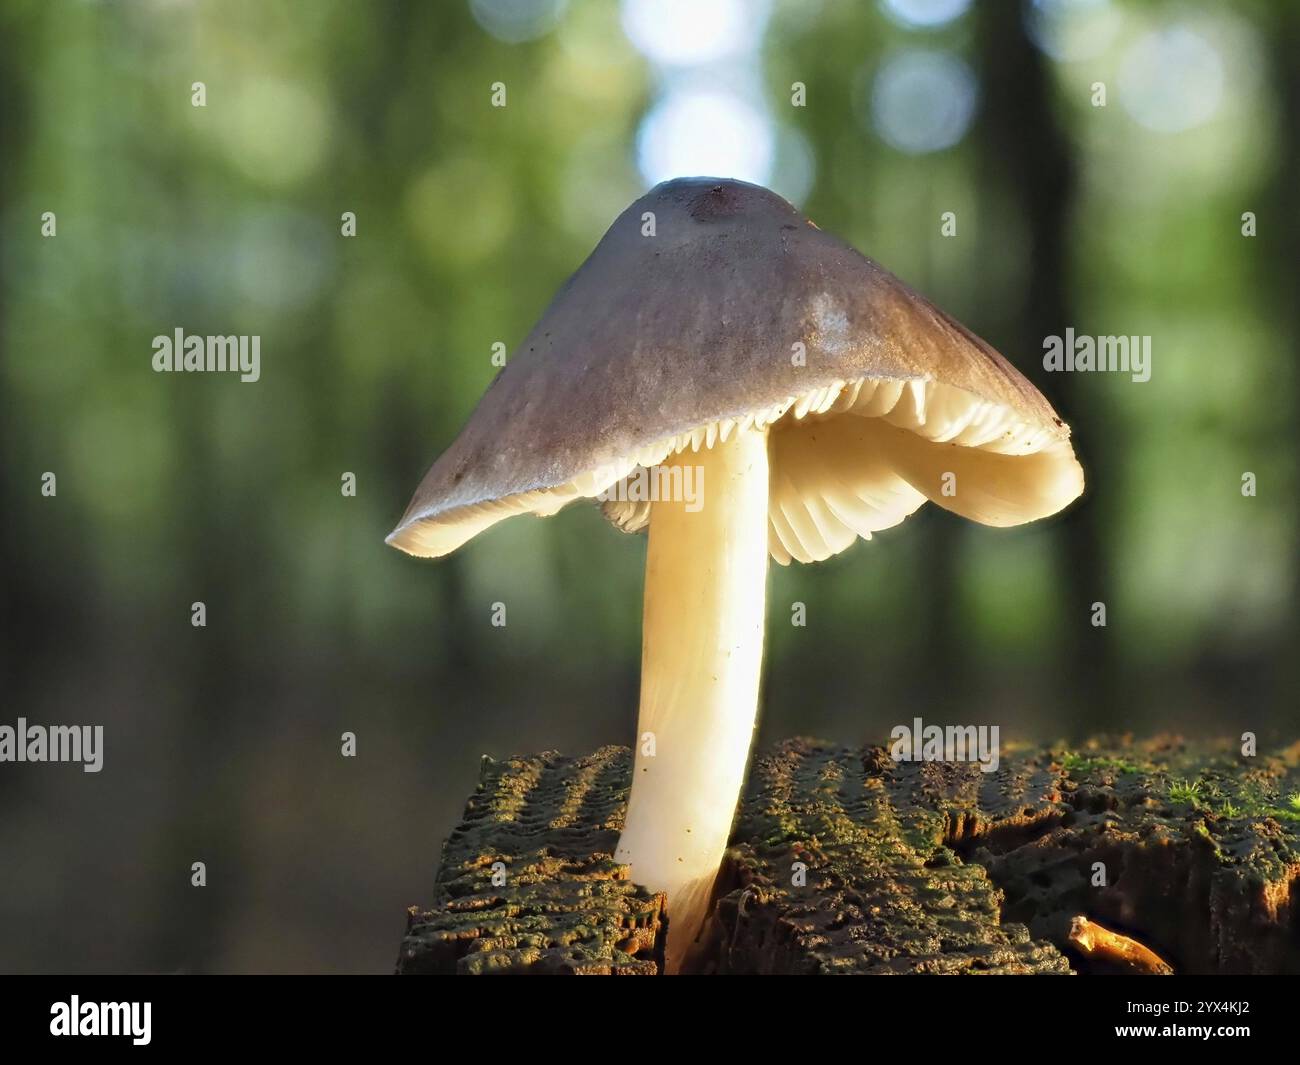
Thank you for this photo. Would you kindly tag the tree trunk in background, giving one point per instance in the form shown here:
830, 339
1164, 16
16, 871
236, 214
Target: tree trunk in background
942, 658
1027, 154
942, 663
1279, 230
22, 599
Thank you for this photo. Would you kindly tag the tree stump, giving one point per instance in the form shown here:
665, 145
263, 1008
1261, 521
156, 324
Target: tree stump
846, 861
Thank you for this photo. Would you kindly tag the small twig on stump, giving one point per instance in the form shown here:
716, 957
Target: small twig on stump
1094, 941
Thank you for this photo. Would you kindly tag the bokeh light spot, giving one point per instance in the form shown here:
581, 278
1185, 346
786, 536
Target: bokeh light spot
1072, 29
705, 134
275, 131
924, 14
680, 32
461, 211
923, 101
1171, 80
516, 21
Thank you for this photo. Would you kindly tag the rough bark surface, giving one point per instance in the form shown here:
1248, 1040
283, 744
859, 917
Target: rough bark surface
544, 827
845, 861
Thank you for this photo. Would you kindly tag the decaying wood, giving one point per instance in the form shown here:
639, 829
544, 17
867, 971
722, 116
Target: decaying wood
845, 861
544, 828
841, 865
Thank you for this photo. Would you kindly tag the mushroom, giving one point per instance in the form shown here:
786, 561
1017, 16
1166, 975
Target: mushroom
720, 339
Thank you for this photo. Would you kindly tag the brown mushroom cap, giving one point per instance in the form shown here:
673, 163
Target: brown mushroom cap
667, 341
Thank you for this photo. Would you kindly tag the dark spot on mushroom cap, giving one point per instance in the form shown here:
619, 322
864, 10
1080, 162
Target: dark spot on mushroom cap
718, 202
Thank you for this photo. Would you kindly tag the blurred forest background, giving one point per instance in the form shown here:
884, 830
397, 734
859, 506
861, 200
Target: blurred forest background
223, 743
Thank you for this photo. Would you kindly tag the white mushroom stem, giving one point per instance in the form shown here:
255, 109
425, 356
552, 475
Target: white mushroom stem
702, 646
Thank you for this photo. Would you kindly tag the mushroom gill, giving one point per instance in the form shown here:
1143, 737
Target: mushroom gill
838, 477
